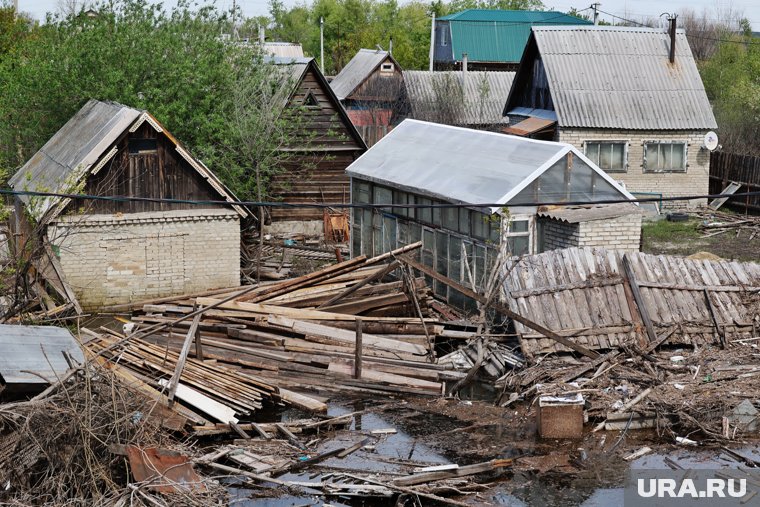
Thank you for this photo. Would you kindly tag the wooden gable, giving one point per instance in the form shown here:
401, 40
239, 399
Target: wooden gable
147, 164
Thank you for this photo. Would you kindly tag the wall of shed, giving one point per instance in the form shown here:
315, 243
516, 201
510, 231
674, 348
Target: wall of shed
695, 181
621, 233
324, 148
161, 174
556, 234
119, 258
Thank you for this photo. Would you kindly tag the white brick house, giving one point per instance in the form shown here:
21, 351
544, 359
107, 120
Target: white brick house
613, 93
120, 251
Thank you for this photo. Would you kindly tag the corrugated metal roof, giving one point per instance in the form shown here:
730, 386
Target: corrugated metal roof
460, 165
498, 35
69, 156
458, 98
577, 214
357, 71
283, 49
620, 77
25, 349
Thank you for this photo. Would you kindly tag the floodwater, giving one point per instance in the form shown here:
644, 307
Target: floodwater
598, 482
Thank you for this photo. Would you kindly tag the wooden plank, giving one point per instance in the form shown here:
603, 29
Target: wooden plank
216, 410
358, 350
501, 309
346, 368
174, 381
651, 334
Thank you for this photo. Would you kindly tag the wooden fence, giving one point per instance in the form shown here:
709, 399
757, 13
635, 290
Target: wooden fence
744, 169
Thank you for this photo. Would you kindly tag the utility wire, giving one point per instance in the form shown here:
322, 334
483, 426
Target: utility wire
367, 205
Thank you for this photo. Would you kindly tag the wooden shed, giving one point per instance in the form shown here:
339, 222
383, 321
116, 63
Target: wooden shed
316, 172
113, 250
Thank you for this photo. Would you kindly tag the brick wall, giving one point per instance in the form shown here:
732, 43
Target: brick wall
556, 234
695, 181
114, 259
621, 233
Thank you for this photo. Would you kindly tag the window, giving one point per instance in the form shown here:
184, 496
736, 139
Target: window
518, 236
668, 156
386, 67
310, 100
138, 146
443, 35
609, 156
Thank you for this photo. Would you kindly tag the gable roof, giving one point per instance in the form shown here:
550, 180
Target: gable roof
283, 49
462, 165
618, 77
295, 71
498, 35
82, 146
480, 96
356, 71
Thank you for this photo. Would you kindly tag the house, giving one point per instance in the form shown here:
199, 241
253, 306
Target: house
328, 143
613, 93
497, 183
490, 39
115, 251
464, 98
370, 88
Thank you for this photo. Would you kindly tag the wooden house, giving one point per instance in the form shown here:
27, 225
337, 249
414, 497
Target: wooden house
370, 87
630, 98
114, 251
500, 188
315, 173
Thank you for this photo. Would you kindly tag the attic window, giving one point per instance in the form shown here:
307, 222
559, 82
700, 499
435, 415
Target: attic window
386, 67
310, 100
138, 146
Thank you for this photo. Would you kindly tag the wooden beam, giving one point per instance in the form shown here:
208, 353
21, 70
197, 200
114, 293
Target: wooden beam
651, 334
376, 276
174, 382
501, 308
358, 350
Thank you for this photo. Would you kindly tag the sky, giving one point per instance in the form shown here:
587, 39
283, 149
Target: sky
630, 9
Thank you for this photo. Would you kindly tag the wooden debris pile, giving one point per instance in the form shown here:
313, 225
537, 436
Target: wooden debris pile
676, 392
716, 223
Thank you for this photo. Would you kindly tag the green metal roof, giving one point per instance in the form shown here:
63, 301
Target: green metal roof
498, 36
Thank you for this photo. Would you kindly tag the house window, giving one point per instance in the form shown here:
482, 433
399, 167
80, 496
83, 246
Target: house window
138, 146
443, 38
310, 100
386, 67
609, 156
667, 156
518, 236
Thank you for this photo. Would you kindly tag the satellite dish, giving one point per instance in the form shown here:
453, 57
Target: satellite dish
711, 141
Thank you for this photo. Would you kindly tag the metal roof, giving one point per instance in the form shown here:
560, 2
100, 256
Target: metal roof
577, 214
72, 153
283, 49
37, 349
357, 71
620, 77
498, 35
467, 98
461, 165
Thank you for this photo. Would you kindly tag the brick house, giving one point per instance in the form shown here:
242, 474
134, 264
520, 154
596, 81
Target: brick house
112, 251
614, 93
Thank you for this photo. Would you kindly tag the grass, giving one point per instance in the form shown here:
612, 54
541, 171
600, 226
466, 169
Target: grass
663, 230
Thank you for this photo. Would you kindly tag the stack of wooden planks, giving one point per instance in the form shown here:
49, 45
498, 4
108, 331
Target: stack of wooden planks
301, 333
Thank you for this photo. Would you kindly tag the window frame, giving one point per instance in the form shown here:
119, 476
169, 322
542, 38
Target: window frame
671, 143
609, 142
387, 67
529, 233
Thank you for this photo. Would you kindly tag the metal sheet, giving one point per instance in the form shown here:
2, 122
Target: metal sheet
165, 471
356, 71
469, 98
620, 77
577, 214
33, 354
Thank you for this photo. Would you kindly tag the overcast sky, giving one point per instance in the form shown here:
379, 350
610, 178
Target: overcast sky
624, 8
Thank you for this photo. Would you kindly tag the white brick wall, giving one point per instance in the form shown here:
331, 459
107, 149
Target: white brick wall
695, 181
621, 233
114, 259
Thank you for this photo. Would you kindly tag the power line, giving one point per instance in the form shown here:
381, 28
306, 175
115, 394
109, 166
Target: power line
365, 205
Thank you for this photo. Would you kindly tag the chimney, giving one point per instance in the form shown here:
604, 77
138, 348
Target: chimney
464, 62
672, 20
261, 35
390, 47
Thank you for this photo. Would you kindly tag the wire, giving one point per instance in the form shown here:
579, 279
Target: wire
691, 36
121, 198
538, 22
